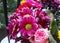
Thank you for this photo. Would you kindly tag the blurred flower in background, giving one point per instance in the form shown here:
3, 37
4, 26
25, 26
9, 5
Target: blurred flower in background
22, 1
59, 34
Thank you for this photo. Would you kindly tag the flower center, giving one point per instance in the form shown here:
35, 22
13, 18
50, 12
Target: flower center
27, 15
23, 1
28, 27
14, 28
59, 34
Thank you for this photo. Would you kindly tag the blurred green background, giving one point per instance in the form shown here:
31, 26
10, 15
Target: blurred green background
11, 5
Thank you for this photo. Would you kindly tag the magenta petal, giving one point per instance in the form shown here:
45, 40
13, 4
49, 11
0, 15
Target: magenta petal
30, 33
35, 4
23, 32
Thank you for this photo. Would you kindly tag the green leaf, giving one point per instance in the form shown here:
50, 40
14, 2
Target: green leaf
48, 12
54, 28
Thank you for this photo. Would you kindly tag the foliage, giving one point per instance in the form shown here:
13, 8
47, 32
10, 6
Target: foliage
11, 6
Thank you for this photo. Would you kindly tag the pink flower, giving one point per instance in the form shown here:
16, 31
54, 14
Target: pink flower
57, 1
20, 13
30, 4
43, 19
41, 36
26, 11
15, 16
35, 4
28, 25
13, 28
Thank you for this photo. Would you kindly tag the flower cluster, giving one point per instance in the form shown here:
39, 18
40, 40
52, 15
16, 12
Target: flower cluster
28, 18
50, 4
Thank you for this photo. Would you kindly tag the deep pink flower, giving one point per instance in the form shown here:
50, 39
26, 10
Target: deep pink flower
26, 11
30, 4
41, 36
35, 4
13, 28
15, 16
43, 19
28, 25
40, 0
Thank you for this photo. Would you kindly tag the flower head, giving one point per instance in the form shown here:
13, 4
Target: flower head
30, 4
13, 28
35, 4
57, 1
24, 11
28, 26
59, 34
43, 19
41, 36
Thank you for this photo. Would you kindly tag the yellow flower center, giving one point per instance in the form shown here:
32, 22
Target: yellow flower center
13, 29
28, 26
27, 15
59, 34
23, 1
